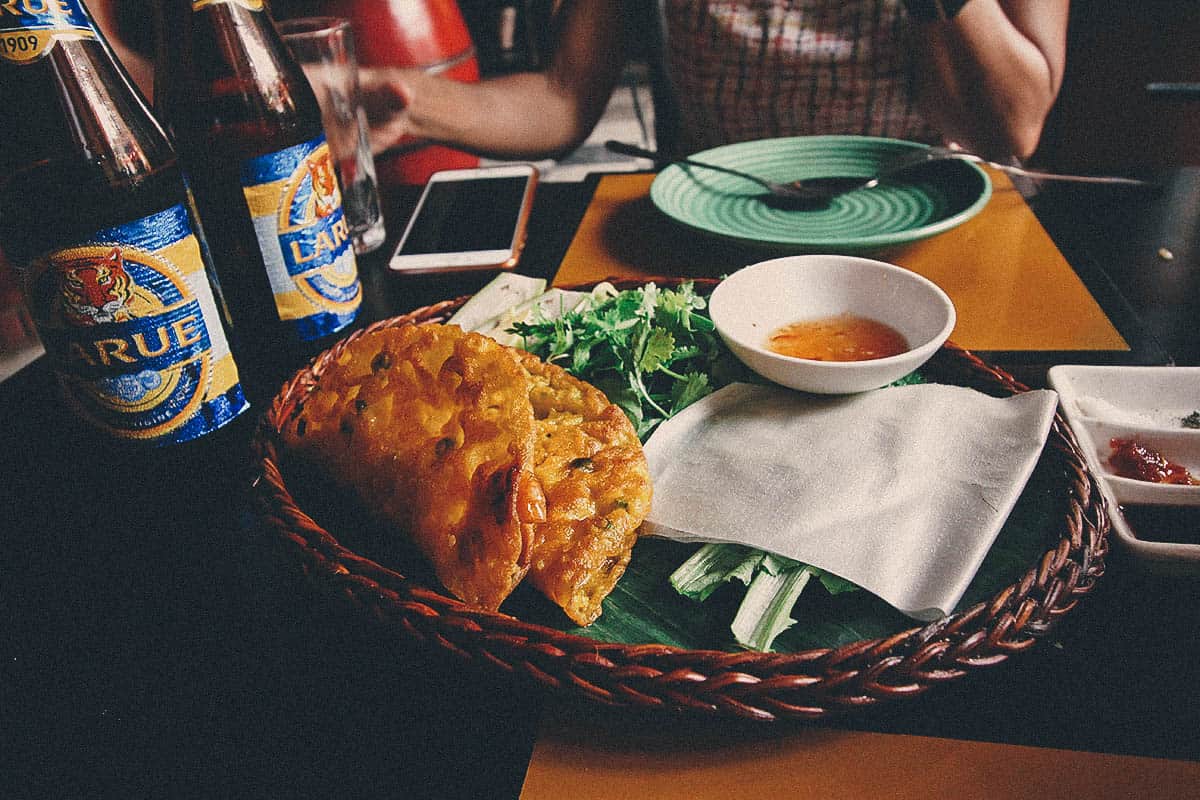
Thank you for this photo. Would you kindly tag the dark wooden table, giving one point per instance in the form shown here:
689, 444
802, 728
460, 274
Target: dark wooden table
164, 653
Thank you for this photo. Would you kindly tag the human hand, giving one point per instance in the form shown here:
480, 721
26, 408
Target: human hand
387, 97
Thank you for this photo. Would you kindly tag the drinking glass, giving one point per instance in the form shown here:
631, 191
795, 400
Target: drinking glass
429, 35
324, 46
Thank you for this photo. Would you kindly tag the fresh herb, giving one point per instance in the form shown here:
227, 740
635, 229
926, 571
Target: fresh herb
714, 565
765, 610
652, 351
1192, 420
773, 582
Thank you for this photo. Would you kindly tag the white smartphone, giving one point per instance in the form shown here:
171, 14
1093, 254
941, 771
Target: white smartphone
468, 219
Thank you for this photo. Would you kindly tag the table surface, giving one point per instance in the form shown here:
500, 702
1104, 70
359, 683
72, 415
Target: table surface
144, 661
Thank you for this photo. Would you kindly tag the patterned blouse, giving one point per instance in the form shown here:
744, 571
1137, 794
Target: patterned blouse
763, 68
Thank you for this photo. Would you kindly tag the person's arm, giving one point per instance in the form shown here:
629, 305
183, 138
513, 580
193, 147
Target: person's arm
524, 115
991, 73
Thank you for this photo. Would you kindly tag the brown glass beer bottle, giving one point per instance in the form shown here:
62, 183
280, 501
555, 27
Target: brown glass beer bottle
249, 132
96, 219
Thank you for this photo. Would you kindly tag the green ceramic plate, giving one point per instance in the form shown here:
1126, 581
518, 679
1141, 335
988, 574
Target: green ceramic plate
936, 197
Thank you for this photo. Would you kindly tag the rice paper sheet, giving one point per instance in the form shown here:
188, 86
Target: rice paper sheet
900, 490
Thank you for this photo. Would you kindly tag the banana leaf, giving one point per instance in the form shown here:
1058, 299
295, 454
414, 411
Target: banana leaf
645, 608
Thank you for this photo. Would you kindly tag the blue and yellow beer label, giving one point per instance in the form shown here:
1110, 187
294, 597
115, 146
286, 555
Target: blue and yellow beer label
131, 324
29, 28
296, 206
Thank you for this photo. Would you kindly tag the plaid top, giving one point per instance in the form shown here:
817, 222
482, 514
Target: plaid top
763, 68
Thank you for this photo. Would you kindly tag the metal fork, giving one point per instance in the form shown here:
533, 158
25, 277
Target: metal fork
816, 191
925, 155
800, 192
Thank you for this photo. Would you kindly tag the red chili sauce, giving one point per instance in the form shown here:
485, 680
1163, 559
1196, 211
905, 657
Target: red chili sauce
845, 337
1132, 459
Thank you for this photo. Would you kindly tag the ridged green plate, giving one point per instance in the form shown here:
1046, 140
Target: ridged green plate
935, 198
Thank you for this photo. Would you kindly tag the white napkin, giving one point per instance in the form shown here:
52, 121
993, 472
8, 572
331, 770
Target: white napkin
901, 490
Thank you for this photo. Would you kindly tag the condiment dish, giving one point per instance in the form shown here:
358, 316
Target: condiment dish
752, 303
1181, 447
1153, 406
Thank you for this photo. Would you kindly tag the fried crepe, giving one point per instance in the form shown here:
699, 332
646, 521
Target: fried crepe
496, 463
433, 429
594, 475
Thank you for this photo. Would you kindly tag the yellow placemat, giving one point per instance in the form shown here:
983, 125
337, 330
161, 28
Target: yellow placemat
1011, 286
673, 759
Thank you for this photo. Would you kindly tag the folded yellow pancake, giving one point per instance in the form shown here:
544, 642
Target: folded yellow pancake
593, 472
496, 463
432, 428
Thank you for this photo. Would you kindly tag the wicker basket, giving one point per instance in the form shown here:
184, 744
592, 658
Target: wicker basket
753, 685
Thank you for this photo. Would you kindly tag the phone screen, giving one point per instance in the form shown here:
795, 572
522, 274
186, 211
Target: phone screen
467, 215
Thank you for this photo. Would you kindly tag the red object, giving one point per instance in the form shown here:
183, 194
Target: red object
1132, 459
430, 34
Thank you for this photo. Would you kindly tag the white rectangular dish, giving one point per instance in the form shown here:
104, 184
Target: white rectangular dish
1147, 405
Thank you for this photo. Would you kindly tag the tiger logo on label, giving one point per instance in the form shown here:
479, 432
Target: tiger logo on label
95, 292
325, 192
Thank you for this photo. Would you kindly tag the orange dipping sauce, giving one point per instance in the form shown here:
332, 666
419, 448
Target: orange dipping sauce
845, 337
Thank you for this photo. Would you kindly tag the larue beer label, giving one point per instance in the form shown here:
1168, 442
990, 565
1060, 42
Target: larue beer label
29, 28
130, 321
304, 237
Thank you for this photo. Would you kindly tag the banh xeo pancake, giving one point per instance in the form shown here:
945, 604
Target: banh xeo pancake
495, 463
593, 473
433, 430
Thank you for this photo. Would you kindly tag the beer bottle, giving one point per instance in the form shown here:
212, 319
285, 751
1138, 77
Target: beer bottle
96, 219
249, 130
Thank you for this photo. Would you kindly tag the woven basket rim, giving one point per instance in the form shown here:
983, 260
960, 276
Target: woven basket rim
766, 686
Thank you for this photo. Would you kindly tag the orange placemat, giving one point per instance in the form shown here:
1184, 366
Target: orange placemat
1011, 286
588, 759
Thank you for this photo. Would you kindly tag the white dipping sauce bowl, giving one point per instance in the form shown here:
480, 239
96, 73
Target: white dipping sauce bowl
752, 303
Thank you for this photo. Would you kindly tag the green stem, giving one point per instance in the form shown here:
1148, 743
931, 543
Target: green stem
764, 613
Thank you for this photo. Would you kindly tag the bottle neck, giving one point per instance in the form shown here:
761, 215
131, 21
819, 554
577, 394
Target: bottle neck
106, 116
74, 98
82, 151
222, 66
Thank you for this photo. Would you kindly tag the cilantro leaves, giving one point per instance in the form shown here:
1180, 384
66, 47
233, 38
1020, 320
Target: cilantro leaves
651, 350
